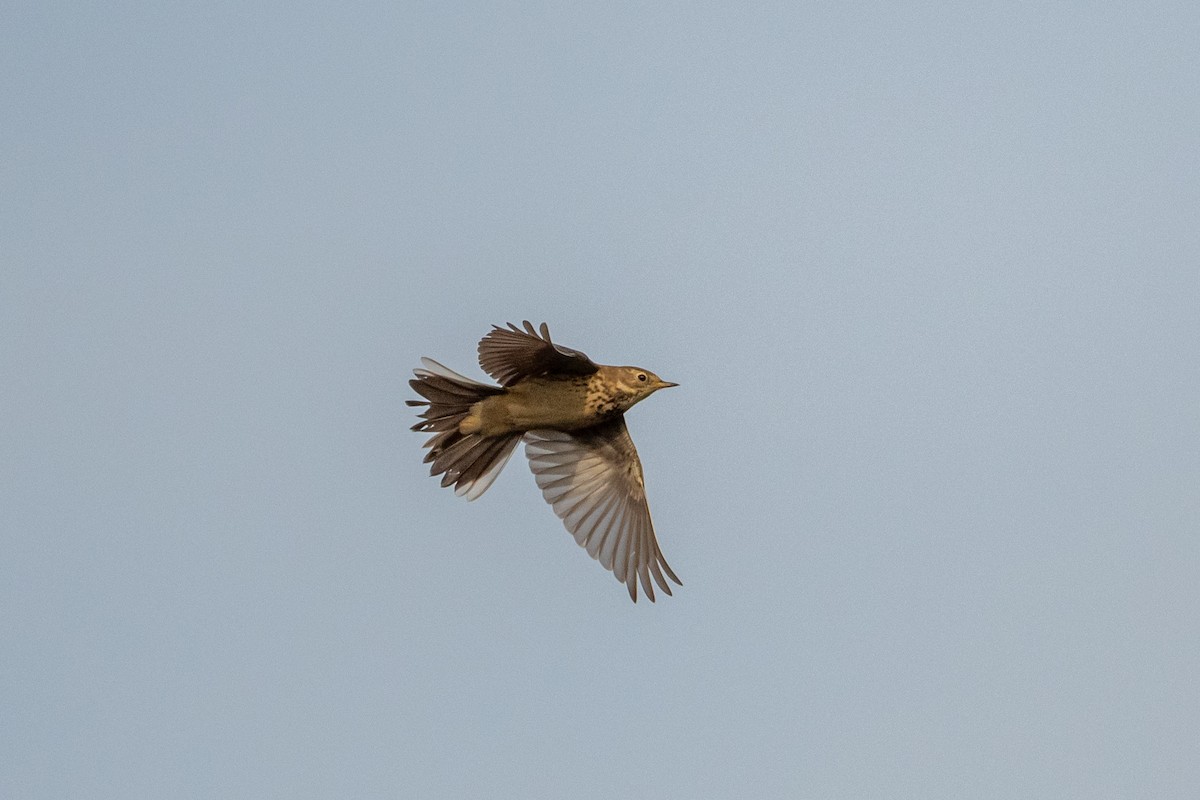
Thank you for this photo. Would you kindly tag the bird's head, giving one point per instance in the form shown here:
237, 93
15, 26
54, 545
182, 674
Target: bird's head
635, 384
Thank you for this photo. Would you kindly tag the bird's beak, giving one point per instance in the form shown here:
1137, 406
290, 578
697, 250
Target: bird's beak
667, 385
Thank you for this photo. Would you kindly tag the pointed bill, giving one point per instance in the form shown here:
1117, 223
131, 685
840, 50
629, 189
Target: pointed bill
593, 480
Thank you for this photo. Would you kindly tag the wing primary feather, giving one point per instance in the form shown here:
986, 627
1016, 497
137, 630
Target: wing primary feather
593, 481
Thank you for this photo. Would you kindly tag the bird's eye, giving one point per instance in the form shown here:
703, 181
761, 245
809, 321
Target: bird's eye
642, 377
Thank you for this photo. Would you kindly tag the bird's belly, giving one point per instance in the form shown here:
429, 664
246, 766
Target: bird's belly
538, 403
530, 415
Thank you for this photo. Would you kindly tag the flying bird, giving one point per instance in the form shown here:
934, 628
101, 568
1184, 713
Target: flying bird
570, 412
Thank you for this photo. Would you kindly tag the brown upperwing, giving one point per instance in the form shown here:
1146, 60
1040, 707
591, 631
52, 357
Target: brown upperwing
510, 354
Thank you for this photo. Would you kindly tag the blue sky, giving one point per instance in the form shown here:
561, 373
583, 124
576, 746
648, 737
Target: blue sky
928, 278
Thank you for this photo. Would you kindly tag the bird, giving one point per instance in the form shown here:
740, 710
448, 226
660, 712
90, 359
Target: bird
570, 413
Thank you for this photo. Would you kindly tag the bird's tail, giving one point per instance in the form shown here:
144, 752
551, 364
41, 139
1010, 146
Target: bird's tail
469, 461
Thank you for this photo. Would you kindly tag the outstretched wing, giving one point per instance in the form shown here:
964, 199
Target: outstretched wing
510, 354
593, 479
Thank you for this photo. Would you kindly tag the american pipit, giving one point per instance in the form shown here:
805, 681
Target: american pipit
570, 412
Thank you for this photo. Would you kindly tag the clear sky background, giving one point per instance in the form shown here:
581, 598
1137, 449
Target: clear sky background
929, 278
